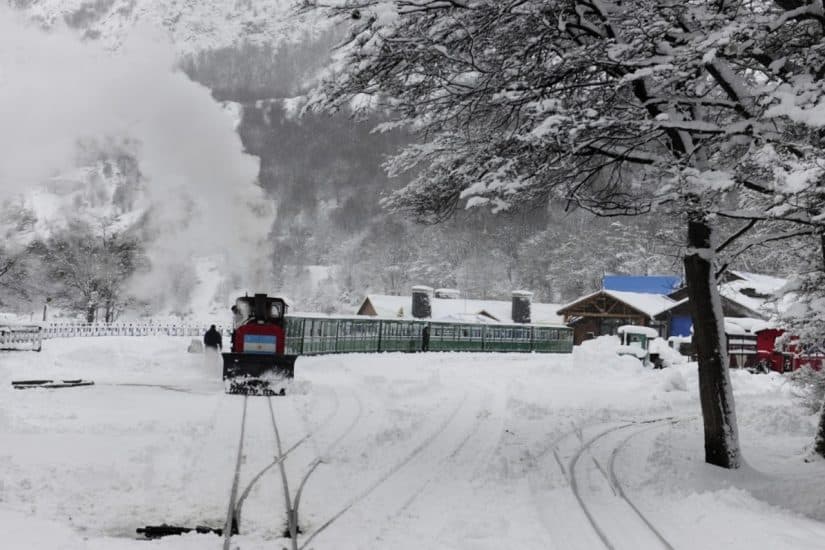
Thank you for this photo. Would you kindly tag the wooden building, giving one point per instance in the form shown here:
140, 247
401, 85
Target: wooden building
603, 312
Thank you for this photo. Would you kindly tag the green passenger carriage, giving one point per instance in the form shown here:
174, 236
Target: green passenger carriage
317, 334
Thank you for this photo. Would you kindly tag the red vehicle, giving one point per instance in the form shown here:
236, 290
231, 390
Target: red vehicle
788, 357
257, 356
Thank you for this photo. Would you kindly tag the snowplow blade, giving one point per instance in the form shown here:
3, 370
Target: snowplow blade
257, 374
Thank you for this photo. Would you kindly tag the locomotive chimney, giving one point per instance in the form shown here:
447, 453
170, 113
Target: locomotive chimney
521, 306
260, 307
421, 306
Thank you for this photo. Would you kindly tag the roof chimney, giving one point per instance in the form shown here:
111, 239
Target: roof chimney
421, 308
521, 306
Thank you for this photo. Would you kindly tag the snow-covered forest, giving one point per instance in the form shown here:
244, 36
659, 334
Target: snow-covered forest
473, 176
94, 187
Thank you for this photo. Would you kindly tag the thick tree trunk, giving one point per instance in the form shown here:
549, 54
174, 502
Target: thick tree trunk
721, 434
819, 442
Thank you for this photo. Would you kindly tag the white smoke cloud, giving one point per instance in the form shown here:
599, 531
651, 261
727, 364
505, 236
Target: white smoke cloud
56, 90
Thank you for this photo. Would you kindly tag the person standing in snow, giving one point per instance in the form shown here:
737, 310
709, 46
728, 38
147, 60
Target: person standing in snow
212, 339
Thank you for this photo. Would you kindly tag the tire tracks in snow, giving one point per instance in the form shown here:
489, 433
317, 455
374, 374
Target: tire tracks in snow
381, 480
462, 460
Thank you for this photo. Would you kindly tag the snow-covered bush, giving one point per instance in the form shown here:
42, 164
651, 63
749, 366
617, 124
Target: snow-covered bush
809, 385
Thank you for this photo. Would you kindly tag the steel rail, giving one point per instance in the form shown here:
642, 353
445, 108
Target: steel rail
620, 491
230, 512
292, 519
612, 481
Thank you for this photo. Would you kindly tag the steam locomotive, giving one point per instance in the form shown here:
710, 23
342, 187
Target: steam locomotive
257, 364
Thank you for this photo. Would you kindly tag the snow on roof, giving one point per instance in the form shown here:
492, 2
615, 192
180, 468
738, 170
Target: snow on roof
473, 318
753, 291
649, 304
748, 324
452, 309
732, 329
638, 329
545, 313
391, 306
765, 284
646, 284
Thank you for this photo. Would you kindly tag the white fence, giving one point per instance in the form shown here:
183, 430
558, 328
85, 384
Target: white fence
14, 336
69, 330
21, 337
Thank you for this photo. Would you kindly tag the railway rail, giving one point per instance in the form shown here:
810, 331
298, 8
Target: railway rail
586, 458
241, 490
237, 498
239, 494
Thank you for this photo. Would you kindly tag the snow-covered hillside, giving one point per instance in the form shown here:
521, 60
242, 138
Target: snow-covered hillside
193, 25
123, 141
439, 450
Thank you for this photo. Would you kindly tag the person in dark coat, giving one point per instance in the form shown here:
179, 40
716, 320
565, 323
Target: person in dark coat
425, 338
212, 339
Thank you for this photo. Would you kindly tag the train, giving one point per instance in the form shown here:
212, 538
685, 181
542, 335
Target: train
762, 351
266, 341
313, 335
788, 356
257, 360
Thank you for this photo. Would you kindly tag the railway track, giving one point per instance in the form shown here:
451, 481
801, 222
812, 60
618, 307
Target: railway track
239, 493
586, 457
588, 466
388, 474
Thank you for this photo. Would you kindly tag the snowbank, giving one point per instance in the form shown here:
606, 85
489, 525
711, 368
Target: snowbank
418, 450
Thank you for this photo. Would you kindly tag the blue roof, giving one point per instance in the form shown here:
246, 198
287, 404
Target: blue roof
647, 284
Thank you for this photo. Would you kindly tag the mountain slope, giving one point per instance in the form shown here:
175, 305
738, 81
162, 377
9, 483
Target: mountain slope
193, 25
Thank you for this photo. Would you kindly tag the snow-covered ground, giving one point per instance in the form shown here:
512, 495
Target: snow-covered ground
452, 451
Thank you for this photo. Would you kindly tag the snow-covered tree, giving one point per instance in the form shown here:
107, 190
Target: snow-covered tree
620, 107
16, 264
90, 266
